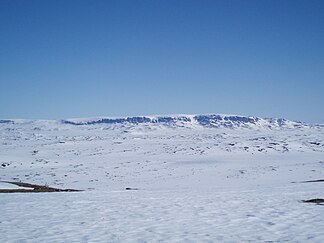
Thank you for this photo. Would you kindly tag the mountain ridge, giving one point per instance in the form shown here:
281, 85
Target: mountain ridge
205, 120
174, 120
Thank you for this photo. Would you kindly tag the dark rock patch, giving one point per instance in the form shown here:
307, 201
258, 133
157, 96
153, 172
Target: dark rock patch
315, 200
130, 188
36, 188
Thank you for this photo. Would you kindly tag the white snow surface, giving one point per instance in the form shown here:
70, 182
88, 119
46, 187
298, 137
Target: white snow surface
199, 179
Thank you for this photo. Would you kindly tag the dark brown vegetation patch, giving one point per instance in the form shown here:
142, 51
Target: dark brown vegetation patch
315, 200
35, 188
321, 180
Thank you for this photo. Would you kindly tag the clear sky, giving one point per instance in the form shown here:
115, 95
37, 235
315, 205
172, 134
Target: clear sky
61, 59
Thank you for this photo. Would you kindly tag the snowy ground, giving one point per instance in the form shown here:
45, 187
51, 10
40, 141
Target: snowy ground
194, 183
262, 215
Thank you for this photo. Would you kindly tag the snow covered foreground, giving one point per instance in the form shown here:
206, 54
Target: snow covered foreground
211, 178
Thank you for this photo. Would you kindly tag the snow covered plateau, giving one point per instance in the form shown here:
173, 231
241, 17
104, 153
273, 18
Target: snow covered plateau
190, 178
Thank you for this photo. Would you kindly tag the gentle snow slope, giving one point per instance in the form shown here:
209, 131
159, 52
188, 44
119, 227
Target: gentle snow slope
200, 177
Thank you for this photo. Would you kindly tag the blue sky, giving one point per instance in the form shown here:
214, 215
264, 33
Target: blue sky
61, 59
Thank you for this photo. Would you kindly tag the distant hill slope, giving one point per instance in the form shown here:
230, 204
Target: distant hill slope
210, 120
